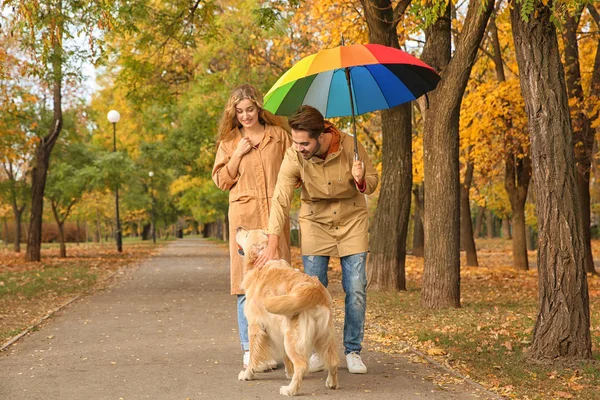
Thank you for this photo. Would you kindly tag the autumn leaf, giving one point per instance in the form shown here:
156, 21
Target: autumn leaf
436, 351
563, 395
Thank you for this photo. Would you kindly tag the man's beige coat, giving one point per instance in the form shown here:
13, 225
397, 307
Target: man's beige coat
333, 213
251, 191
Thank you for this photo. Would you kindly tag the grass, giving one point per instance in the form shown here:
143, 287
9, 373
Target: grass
59, 281
488, 337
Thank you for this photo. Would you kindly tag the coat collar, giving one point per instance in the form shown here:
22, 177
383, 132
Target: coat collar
330, 156
237, 136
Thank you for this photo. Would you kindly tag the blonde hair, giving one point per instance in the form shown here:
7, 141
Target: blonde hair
229, 119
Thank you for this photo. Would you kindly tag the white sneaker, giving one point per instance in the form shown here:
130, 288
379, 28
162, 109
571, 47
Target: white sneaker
246, 359
355, 364
262, 367
315, 364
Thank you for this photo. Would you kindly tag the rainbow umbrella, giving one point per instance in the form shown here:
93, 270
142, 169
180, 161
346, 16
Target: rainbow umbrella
351, 80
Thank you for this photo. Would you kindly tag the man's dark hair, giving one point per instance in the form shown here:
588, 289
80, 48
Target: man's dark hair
308, 119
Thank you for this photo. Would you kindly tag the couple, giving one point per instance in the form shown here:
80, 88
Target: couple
261, 165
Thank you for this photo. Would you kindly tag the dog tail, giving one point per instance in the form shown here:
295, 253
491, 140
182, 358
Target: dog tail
301, 298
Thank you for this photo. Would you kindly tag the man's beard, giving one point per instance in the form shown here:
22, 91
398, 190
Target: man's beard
314, 152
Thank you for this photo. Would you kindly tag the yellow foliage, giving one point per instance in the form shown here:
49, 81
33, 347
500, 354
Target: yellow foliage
184, 183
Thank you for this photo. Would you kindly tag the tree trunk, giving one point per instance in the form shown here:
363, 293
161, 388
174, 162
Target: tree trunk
506, 228
61, 237
18, 213
562, 328
42, 157
390, 225
489, 219
61, 230
146, 231
517, 174
519, 237
98, 228
441, 273
5, 234
479, 221
466, 223
418, 233
583, 134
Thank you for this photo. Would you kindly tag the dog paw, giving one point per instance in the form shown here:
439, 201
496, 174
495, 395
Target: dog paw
331, 383
287, 391
245, 375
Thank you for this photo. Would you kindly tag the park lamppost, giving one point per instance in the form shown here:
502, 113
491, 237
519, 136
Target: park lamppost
113, 118
151, 174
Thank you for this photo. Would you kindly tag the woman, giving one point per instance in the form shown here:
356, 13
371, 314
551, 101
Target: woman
251, 145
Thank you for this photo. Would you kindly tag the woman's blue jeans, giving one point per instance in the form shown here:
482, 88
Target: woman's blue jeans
354, 282
242, 322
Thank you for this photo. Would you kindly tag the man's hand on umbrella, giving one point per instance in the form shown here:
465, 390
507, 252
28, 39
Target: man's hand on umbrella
269, 253
358, 172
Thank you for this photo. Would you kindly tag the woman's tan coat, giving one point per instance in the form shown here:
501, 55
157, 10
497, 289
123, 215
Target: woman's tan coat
333, 213
250, 192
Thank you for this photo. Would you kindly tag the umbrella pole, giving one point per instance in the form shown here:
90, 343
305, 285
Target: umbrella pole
347, 70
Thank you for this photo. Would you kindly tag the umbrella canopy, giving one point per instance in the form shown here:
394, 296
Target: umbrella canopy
381, 77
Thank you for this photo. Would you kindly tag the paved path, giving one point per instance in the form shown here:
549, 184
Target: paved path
168, 331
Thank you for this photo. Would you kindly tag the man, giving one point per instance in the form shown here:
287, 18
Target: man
333, 215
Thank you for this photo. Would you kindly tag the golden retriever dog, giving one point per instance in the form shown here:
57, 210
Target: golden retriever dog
289, 314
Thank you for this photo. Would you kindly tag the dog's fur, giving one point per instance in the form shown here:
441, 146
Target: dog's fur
289, 313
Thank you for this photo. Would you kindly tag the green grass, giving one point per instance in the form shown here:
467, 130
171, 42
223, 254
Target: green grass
58, 281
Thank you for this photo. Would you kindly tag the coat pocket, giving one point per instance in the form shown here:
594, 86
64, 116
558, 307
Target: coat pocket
241, 196
315, 211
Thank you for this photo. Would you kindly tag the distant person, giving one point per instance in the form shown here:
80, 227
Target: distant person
251, 146
333, 216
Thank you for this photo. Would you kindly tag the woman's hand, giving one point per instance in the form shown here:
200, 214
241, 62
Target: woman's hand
243, 147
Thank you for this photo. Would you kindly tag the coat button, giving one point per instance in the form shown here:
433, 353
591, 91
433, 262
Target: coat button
329, 183
334, 212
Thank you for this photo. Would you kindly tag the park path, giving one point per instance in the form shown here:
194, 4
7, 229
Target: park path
167, 330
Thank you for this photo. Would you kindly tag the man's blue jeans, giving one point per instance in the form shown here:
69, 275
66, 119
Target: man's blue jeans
354, 282
242, 322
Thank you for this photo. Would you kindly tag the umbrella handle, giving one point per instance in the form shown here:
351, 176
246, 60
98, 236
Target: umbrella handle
347, 71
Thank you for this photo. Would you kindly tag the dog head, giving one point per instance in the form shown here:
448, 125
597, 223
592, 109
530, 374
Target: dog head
251, 243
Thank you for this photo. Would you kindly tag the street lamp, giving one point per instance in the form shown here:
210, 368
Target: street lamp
113, 118
151, 174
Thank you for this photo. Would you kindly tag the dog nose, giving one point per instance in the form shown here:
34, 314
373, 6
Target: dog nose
239, 229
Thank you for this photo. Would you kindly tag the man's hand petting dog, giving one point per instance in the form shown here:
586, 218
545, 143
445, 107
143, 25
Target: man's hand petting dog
269, 253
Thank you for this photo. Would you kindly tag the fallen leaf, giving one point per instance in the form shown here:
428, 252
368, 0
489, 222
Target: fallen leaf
563, 395
436, 351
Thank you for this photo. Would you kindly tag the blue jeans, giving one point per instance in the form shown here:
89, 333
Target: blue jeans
242, 322
354, 282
